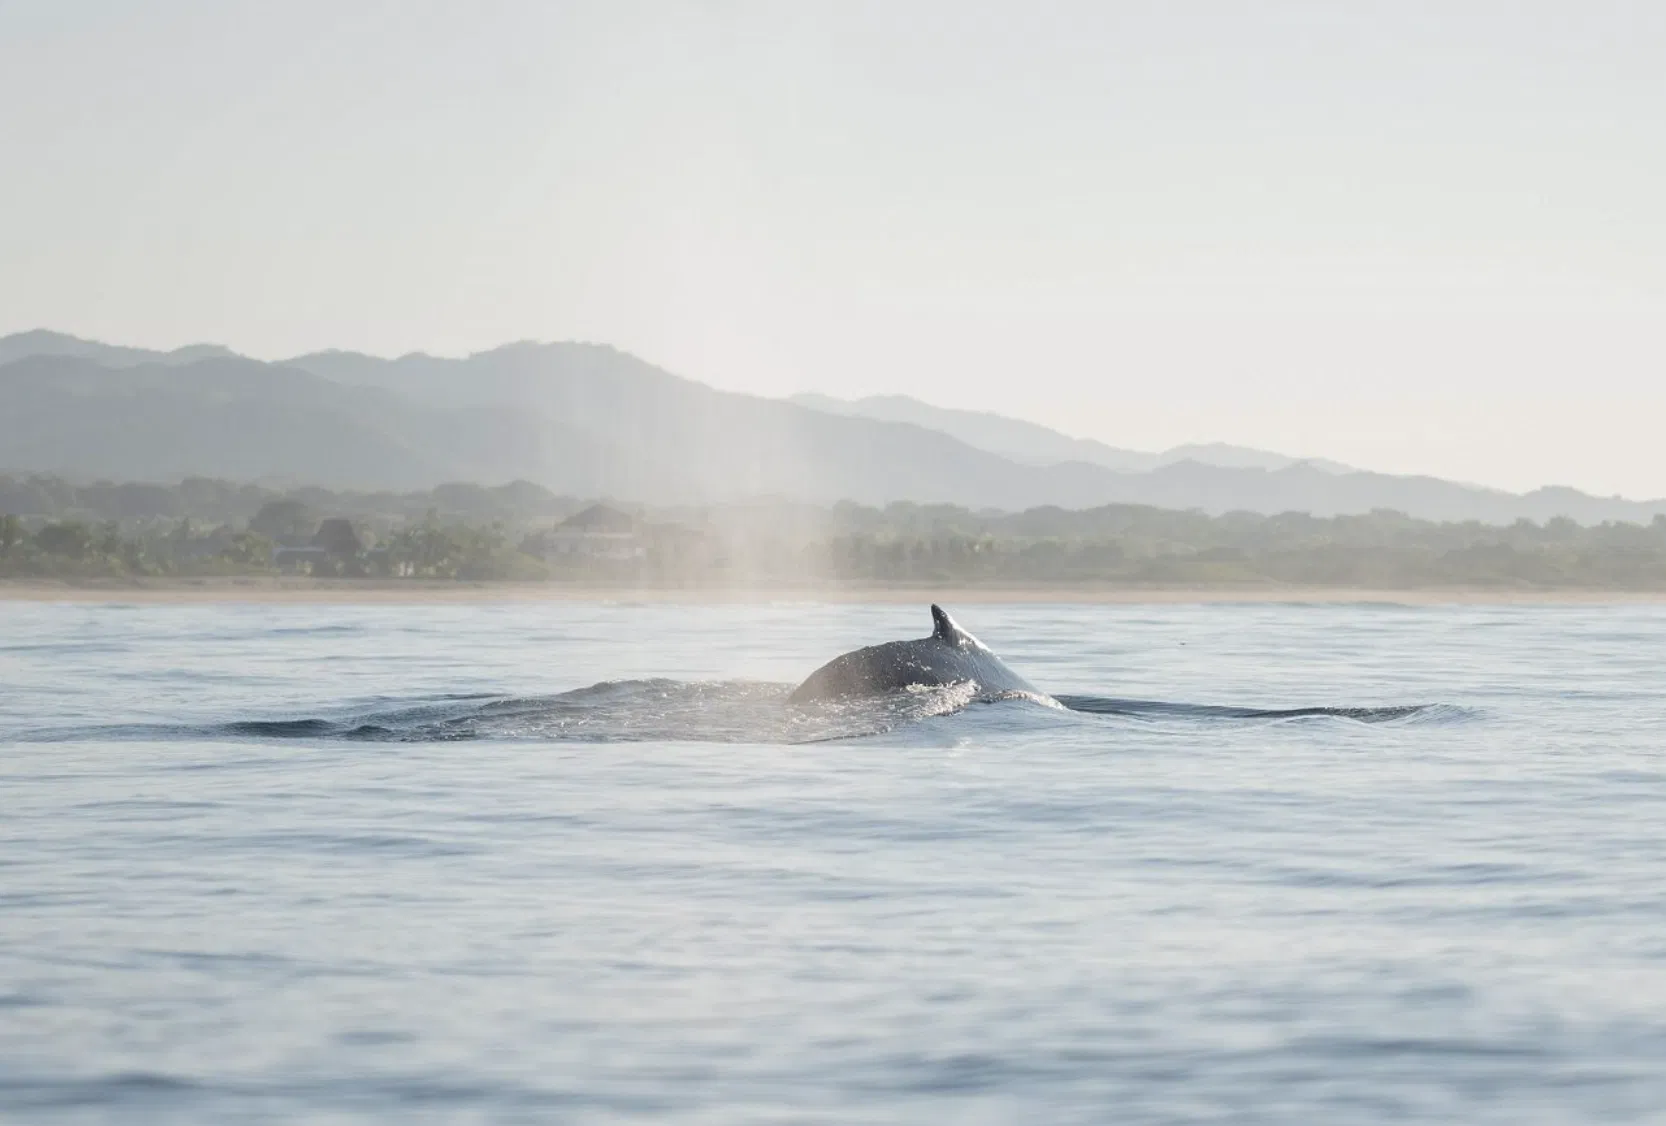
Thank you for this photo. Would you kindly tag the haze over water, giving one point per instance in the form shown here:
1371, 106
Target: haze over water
407, 863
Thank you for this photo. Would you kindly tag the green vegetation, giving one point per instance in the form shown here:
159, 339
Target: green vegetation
51, 529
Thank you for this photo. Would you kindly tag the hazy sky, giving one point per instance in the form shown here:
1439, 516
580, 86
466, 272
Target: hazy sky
1420, 237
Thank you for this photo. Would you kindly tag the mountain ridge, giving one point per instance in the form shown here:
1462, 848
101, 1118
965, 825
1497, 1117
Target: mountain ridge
1030, 442
589, 419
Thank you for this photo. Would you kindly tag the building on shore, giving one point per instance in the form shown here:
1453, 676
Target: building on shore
336, 543
599, 532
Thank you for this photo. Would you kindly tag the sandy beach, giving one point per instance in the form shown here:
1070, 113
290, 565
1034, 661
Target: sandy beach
303, 591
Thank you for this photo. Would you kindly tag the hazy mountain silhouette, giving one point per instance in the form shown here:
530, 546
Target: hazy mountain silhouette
40, 342
245, 420
1038, 445
589, 420
717, 444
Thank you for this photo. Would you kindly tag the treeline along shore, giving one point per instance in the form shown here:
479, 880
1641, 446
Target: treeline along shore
55, 530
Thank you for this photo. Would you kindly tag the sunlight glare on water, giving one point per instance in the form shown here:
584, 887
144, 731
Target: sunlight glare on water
581, 863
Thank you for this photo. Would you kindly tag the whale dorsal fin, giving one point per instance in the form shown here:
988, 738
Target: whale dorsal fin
943, 628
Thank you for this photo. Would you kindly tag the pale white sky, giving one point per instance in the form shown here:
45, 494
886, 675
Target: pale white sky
1414, 236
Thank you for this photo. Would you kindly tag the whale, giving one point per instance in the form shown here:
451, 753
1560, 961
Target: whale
949, 656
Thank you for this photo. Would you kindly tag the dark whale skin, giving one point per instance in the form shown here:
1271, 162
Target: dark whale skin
949, 656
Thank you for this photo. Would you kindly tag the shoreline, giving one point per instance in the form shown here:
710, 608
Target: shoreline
417, 592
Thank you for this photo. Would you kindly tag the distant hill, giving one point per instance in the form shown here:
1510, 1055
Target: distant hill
245, 420
1037, 445
1012, 438
40, 342
714, 444
588, 420
1246, 457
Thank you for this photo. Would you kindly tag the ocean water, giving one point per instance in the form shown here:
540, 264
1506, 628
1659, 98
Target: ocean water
580, 863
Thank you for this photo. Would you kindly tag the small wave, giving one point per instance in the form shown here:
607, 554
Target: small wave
1392, 713
121, 1089
311, 631
280, 728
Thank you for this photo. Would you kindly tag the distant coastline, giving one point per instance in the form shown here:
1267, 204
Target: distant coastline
201, 531
302, 590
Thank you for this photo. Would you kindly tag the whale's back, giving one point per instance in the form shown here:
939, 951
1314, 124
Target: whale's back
949, 656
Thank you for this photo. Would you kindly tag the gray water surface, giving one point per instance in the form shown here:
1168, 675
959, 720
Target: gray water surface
581, 863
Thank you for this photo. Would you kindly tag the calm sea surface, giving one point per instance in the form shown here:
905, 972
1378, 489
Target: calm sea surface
581, 863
